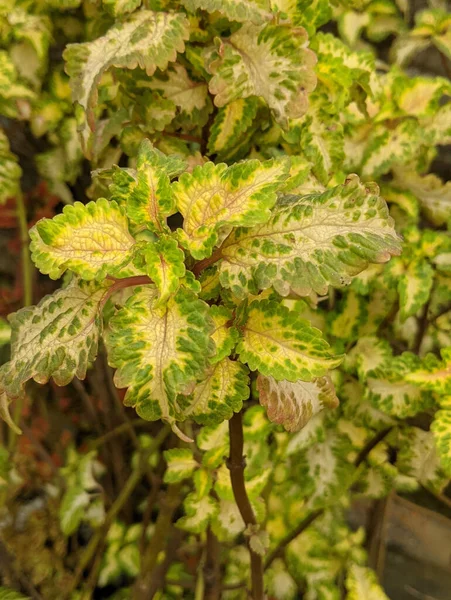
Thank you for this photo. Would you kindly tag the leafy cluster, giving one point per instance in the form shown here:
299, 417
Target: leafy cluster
263, 235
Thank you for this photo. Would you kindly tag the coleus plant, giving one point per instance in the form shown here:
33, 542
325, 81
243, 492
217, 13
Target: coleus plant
233, 256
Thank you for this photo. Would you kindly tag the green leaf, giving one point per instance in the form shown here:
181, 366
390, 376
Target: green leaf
390, 390
146, 39
310, 14
322, 140
213, 197
5, 332
146, 190
198, 513
14, 96
243, 11
441, 430
414, 287
230, 123
224, 335
294, 404
8, 594
369, 354
181, 464
219, 395
281, 584
280, 344
159, 351
10, 171
388, 148
434, 374
120, 7
271, 62
165, 265
311, 242
72, 509
417, 458
433, 194
90, 239
57, 338
361, 582
176, 85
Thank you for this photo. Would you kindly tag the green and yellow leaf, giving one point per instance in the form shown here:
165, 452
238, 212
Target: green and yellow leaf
441, 430
219, 395
90, 239
271, 62
311, 242
361, 582
57, 338
414, 287
279, 343
230, 123
10, 171
391, 391
146, 39
176, 85
243, 11
160, 351
181, 464
213, 198
165, 265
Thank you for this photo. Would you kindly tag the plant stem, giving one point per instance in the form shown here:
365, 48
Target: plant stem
207, 262
309, 519
116, 507
122, 428
27, 268
236, 465
212, 567
157, 542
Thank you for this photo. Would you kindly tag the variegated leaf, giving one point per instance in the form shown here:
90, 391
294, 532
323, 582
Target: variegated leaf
441, 430
433, 194
10, 171
369, 354
322, 139
280, 344
199, 512
361, 582
146, 39
434, 374
243, 11
390, 390
164, 265
14, 96
57, 338
219, 395
414, 287
389, 148
146, 190
9, 594
294, 404
311, 242
224, 335
159, 352
215, 197
181, 464
271, 62
120, 7
176, 85
417, 458
90, 239
230, 123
